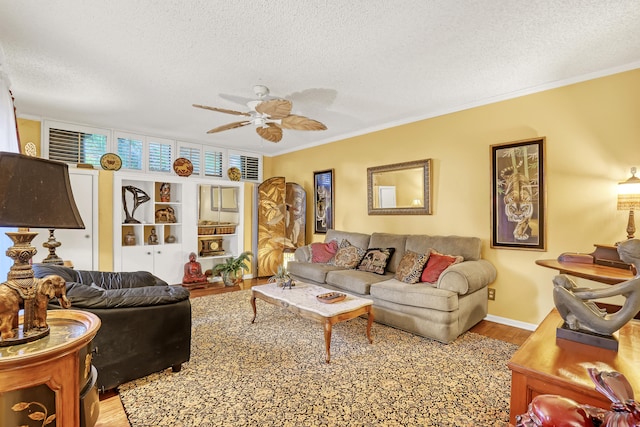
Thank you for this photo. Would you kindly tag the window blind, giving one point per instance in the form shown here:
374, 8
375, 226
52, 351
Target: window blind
76, 147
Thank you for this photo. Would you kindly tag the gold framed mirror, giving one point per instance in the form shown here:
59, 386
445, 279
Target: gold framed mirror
400, 189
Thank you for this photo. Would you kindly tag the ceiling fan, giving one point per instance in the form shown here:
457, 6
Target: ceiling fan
269, 116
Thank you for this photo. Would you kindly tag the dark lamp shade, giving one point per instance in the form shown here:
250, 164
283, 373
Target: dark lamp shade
36, 193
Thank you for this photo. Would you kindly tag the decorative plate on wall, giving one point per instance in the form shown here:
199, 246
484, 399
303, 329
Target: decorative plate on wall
111, 162
182, 166
234, 174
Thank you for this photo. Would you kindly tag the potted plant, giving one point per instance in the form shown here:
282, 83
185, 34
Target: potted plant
281, 278
231, 269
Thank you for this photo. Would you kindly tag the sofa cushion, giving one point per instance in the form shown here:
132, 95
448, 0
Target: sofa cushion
411, 266
436, 264
308, 271
420, 295
323, 252
348, 255
355, 281
389, 240
467, 247
360, 240
375, 260
94, 296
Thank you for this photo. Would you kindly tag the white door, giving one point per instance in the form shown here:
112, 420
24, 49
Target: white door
387, 196
77, 246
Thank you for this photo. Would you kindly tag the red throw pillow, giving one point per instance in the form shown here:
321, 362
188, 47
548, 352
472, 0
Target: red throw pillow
436, 264
323, 252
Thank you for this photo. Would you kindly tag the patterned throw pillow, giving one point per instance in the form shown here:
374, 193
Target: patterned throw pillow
323, 252
411, 266
375, 260
348, 256
437, 264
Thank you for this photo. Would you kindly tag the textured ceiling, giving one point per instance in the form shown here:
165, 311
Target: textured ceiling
356, 66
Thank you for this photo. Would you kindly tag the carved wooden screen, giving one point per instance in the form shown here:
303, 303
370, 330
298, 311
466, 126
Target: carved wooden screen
281, 222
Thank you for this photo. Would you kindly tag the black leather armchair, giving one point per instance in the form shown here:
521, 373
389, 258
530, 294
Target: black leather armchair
146, 324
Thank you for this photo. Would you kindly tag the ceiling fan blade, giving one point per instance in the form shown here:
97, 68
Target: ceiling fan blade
276, 108
271, 132
301, 123
222, 110
229, 126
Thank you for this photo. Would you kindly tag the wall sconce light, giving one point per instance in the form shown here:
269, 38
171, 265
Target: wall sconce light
416, 203
629, 198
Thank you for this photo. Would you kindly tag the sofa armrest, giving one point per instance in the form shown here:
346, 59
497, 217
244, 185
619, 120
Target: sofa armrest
467, 277
303, 254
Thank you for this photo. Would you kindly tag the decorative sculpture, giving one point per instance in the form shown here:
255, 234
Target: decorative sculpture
548, 410
167, 214
11, 299
153, 237
165, 192
193, 271
580, 312
139, 197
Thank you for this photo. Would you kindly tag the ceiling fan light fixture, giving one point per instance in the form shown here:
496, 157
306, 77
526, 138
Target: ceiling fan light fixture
268, 116
261, 91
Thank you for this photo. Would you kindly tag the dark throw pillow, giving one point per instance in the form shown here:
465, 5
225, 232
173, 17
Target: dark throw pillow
375, 260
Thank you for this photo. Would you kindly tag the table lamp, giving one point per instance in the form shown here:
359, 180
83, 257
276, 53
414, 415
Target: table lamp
629, 198
34, 193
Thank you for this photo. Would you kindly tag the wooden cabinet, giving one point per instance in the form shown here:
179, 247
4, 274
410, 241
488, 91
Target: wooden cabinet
549, 365
46, 377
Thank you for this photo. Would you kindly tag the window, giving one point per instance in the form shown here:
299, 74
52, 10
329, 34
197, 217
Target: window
83, 144
160, 155
212, 163
130, 150
75, 144
250, 165
192, 152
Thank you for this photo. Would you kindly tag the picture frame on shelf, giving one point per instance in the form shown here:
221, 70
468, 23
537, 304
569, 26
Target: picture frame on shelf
518, 195
323, 201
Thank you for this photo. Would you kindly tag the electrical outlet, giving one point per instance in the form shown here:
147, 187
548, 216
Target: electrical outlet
492, 294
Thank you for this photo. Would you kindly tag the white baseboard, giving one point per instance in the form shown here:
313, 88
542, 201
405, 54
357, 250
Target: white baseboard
511, 322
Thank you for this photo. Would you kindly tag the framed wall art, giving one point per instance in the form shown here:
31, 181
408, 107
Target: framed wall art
323, 197
518, 196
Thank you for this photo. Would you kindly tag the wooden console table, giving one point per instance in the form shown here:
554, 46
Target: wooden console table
595, 272
546, 365
45, 376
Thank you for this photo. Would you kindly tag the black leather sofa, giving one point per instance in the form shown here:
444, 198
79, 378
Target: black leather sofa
146, 324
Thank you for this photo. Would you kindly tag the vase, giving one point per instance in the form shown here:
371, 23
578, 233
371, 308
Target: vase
130, 239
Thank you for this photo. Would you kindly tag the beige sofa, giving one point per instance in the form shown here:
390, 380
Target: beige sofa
442, 310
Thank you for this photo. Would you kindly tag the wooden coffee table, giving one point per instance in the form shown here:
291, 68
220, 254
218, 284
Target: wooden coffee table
301, 299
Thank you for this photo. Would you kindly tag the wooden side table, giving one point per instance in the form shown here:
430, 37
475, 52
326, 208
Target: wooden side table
44, 377
547, 365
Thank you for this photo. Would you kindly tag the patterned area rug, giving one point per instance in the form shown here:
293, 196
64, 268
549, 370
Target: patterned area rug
272, 373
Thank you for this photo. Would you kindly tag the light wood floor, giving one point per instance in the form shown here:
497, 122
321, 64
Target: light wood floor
112, 413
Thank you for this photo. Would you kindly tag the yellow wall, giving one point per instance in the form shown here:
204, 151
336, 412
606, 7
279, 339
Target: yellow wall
29, 131
592, 132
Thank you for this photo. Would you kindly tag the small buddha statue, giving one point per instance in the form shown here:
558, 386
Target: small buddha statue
193, 271
153, 237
